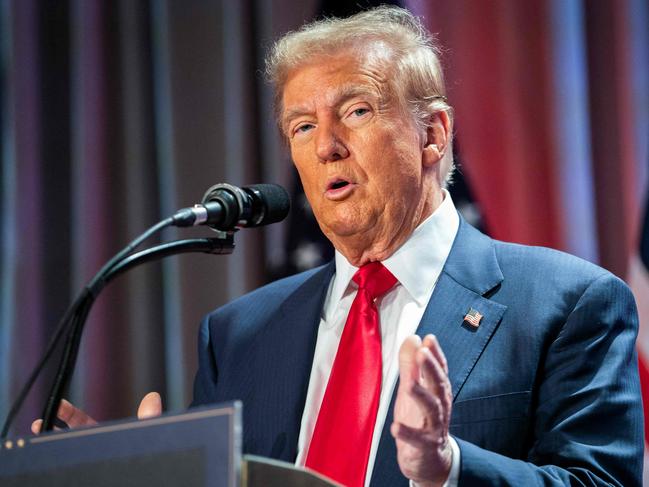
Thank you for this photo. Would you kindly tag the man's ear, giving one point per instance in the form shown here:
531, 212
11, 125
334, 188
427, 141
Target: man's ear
437, 138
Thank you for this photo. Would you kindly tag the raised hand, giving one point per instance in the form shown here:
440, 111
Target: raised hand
422, 412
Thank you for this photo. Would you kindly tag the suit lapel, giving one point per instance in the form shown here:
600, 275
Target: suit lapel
462, 286
281, 359
462, 343
469, 276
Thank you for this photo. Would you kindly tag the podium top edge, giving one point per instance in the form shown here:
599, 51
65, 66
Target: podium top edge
224, 409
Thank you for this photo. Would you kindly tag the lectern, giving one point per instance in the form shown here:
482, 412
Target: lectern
199, 448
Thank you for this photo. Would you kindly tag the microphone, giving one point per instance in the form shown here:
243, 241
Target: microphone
225, 207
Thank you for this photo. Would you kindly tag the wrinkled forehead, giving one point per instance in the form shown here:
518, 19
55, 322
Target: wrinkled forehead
342, 73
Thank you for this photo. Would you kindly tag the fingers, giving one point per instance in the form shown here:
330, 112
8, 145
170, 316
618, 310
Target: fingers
425, 382
36, 426
73, 416
410, 363
430, 342
422, 411
150, 406
435, 378
431, 407
67, 416
434, 370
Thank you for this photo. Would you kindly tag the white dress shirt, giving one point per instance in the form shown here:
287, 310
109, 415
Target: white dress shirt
417, 265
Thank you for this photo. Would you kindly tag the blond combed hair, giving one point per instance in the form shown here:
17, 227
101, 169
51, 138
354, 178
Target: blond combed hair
417, 77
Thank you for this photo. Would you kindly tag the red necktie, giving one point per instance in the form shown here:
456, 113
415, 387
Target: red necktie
342, 437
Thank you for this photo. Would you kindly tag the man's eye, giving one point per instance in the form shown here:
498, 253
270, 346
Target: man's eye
359, 112
305, 127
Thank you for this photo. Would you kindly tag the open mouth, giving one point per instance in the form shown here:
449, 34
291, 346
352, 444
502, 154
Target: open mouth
339, 189
338, 184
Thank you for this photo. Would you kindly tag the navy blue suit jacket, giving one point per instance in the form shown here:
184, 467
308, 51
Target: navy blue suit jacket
545, 390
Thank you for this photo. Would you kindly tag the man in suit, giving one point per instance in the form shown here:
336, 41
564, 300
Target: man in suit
526, 373
489, 363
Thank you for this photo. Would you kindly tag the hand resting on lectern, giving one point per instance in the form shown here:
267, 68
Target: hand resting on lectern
150, 406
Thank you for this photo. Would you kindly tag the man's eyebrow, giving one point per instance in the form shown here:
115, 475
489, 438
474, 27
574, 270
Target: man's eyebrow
338, 97
291, 113
348, 92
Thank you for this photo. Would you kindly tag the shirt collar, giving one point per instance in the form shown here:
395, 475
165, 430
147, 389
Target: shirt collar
418, 263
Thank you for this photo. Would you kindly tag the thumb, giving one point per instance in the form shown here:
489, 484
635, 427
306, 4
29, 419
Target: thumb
150, 406
406, 411
36, 426
408, 369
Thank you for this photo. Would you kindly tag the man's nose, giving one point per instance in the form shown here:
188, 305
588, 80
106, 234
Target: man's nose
329, 144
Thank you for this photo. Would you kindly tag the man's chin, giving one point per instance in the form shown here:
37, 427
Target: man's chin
348, 230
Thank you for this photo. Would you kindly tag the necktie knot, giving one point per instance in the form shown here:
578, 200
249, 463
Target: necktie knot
375, 279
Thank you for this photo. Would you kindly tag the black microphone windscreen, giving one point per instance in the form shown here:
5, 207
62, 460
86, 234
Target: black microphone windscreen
275, 200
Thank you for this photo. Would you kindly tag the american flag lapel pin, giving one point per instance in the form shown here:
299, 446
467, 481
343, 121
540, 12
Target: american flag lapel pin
473, 318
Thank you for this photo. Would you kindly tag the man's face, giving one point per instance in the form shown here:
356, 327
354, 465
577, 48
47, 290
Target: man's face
358, 153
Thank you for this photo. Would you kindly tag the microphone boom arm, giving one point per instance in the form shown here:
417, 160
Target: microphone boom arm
214, 245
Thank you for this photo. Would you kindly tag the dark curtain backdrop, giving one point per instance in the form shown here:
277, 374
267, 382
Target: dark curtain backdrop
114, 114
